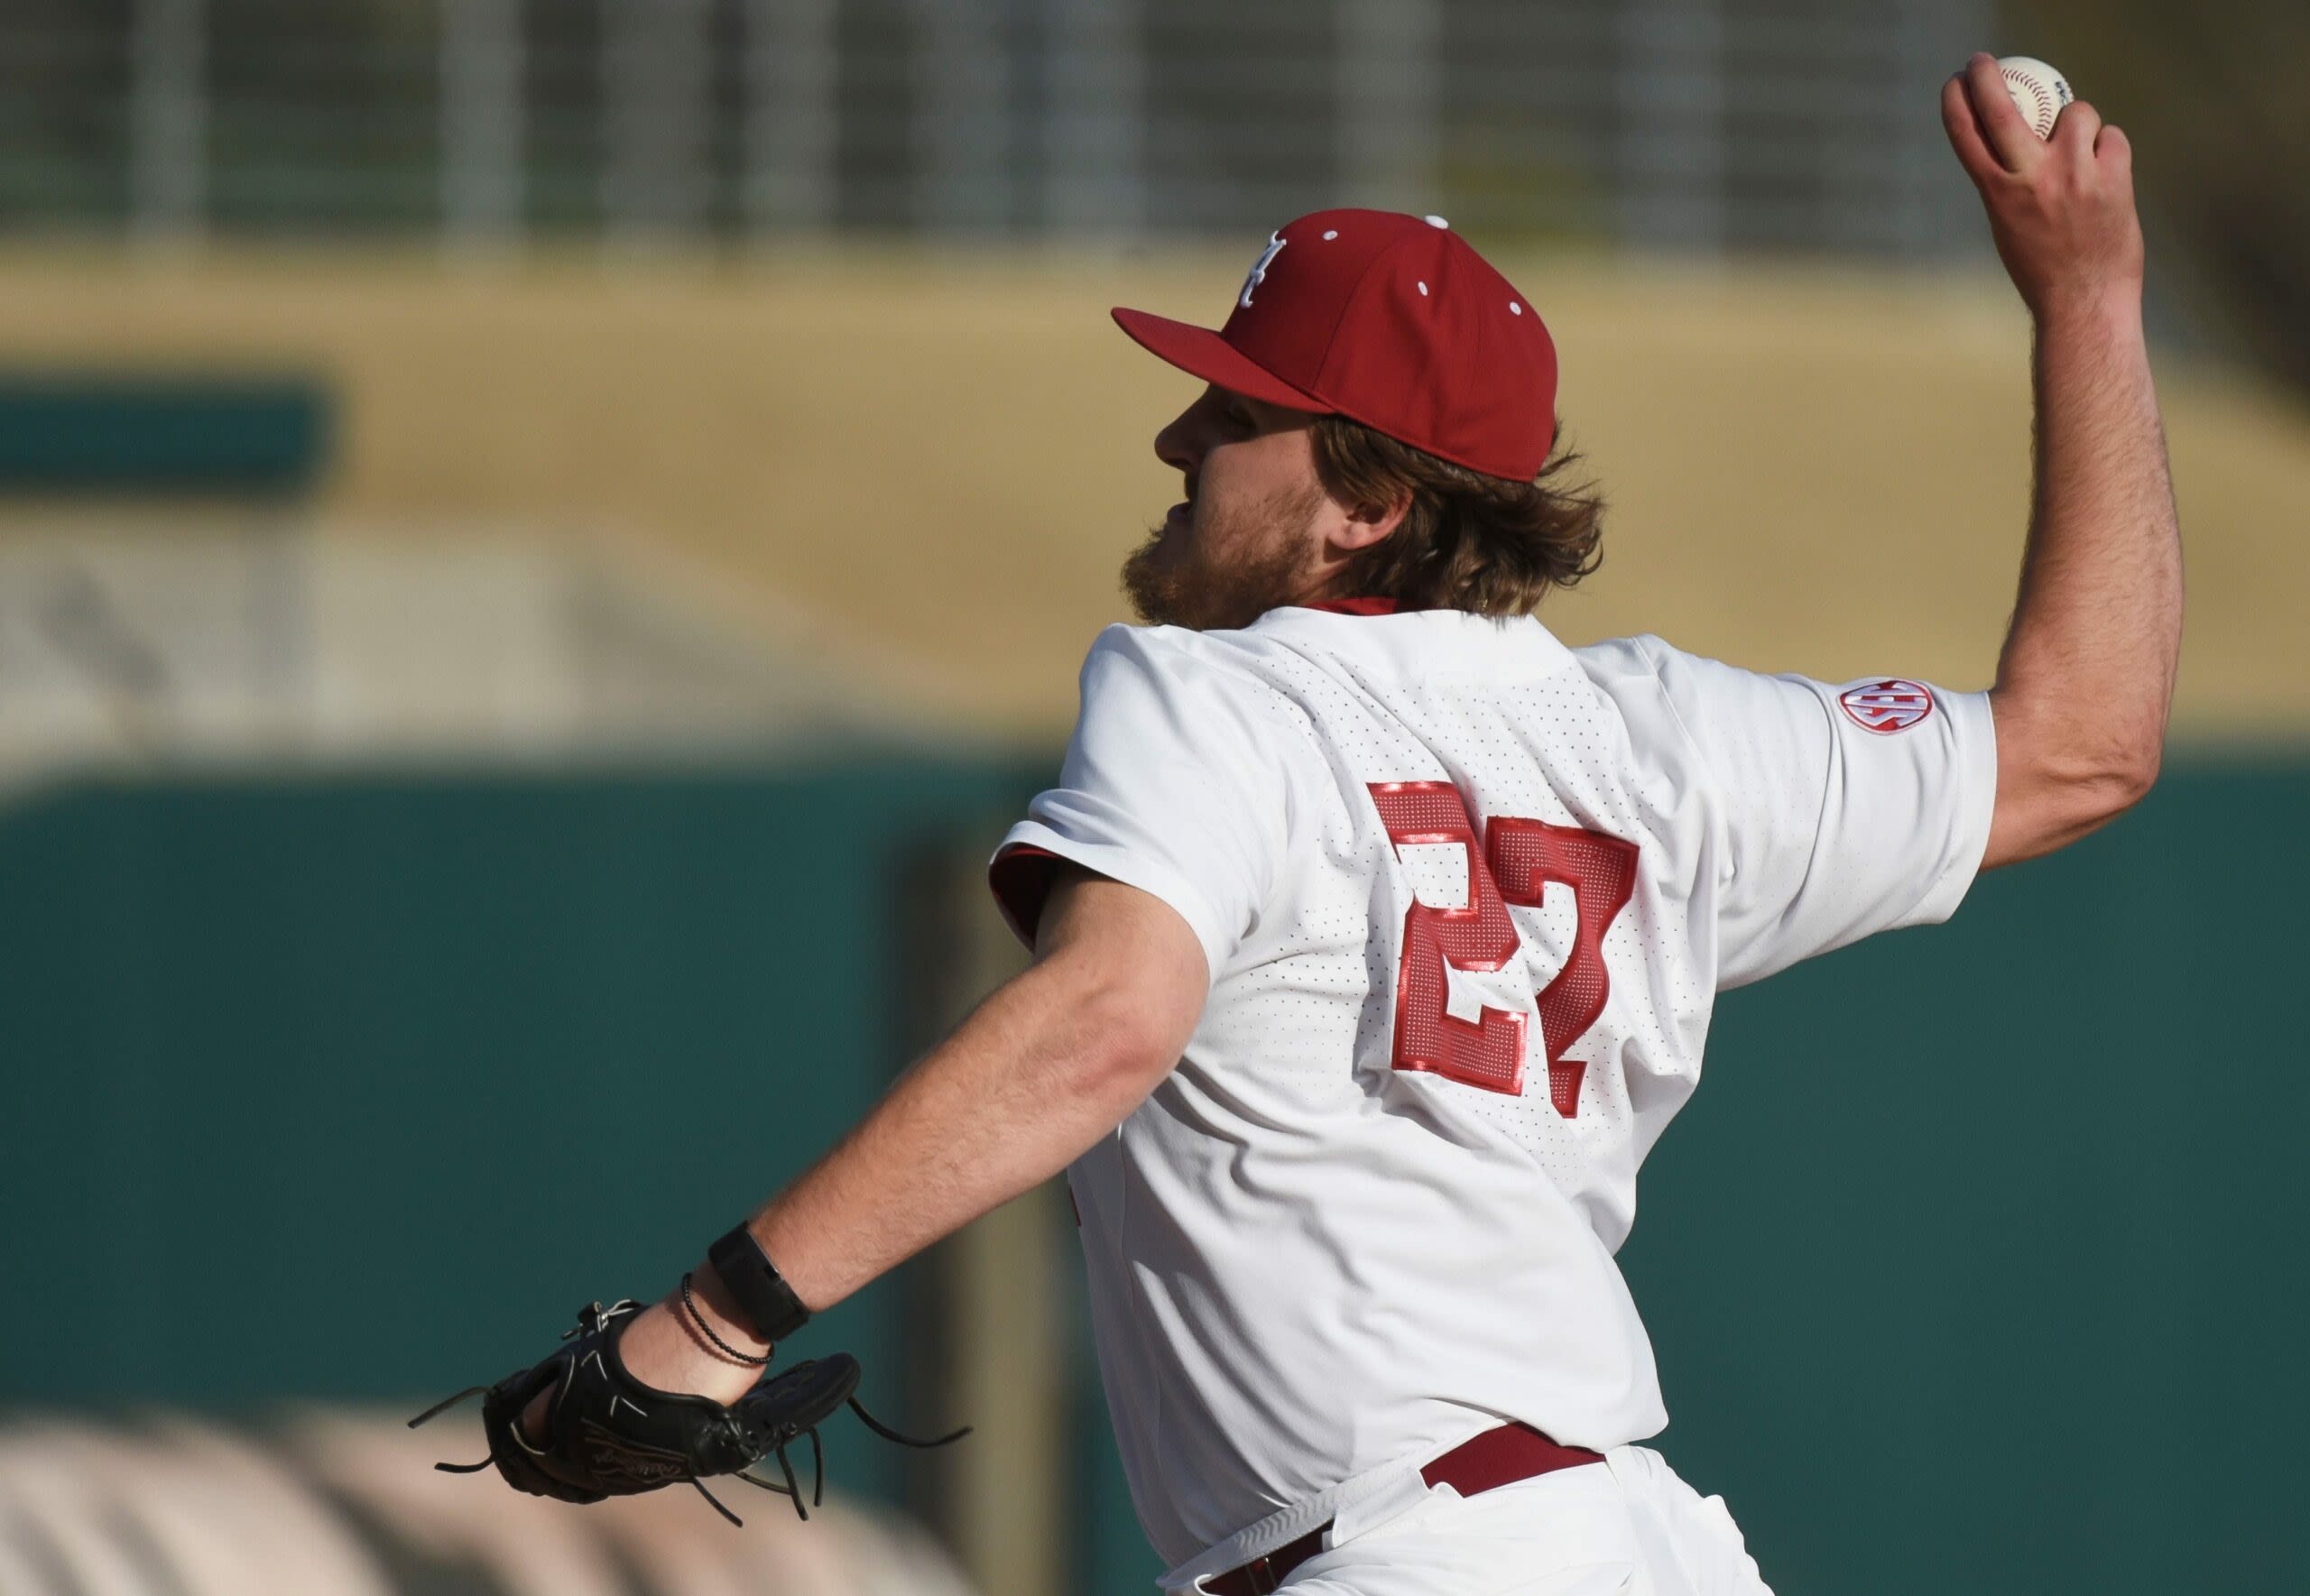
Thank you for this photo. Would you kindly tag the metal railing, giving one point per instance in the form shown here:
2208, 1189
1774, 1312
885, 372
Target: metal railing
1702, 125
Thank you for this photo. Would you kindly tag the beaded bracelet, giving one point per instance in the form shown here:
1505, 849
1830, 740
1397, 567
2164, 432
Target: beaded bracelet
727, 1350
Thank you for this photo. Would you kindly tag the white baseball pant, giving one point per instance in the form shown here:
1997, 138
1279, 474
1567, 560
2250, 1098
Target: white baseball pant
1627, 1526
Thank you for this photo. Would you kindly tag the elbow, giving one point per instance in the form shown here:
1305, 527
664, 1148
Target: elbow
1123, 1044
2097, 784
1131, 1048
1120, 984
2129, 780
2112, 769
2059, 780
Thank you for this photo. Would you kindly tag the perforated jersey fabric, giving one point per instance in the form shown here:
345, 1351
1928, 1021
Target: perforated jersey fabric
1349, 1232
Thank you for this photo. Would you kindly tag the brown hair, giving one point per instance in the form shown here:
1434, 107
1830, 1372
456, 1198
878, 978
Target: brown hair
1491, 545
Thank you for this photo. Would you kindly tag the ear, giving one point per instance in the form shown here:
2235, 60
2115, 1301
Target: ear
1366, 524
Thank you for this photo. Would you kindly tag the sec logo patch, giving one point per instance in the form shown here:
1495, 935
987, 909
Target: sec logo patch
1886, 706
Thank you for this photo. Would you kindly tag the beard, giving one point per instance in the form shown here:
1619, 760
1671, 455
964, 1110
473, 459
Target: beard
1227, 573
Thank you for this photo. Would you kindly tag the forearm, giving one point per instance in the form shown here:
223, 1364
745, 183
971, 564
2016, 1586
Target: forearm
1021, 1088
2101, 597
1053, 1061
2086, 677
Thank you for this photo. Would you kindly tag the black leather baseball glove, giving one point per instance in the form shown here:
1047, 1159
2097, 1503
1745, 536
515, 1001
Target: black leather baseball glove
608, 1434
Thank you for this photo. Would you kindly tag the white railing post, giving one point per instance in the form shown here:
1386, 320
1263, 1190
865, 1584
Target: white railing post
482, 121
655, 83
1931, 38
167, 119
962, 121
1388, 90
791, 116
1094, 120
1670, 87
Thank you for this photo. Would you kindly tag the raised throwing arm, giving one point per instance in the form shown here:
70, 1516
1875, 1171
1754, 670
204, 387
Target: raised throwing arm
2087, 675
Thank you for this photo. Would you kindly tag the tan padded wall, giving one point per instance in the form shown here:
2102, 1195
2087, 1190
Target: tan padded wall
945, 458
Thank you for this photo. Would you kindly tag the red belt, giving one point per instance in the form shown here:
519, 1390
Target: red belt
1495, 1458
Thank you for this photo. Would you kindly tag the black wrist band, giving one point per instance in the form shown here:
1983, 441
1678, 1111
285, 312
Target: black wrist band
755, 1286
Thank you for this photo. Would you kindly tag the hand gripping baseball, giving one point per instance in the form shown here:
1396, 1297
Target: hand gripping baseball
608, 1434
2061, 208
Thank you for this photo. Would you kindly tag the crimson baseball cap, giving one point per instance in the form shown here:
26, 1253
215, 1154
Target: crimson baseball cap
1392, 320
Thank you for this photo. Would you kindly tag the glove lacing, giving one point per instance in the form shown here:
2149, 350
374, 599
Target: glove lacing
594, 1317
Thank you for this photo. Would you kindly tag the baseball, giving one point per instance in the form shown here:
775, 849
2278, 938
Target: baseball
2039, 91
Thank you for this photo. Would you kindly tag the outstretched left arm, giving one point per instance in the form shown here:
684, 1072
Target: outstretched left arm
1055, 1060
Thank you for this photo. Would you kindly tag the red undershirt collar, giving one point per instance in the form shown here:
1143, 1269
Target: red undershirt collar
1357, 607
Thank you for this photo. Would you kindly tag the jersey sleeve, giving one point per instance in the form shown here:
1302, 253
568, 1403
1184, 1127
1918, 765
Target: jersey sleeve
1171, 785
1846, 810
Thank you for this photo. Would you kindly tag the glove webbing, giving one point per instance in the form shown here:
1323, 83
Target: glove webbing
791, 1489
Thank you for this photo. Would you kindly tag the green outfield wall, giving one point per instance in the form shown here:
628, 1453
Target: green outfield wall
1975, 1266
355, 1089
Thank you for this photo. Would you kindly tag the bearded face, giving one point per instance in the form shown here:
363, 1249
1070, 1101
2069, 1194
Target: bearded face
1214, 567
1246, 540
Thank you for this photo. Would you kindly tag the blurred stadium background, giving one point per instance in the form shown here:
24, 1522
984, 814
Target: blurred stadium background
541, 541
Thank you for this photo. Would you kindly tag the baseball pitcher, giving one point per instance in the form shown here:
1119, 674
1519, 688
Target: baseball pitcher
1376, 932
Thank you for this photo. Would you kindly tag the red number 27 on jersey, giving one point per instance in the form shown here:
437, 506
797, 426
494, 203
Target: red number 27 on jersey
1512, 863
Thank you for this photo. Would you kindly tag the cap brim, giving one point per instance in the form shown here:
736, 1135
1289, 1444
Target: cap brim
1202, 352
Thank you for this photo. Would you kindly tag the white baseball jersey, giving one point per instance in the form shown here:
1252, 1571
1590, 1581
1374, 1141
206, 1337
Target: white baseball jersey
1467, 897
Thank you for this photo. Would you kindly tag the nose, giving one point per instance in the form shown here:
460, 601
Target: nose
1183, 443
1176, 445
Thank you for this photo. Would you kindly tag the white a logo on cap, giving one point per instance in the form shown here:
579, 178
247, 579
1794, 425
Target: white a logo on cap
1259, 267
